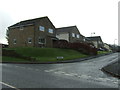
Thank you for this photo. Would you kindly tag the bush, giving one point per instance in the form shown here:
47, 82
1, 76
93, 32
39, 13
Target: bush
60, 44
81, 47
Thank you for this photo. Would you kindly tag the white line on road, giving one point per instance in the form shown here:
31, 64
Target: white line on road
82, 76
37, 70
59, 72
68, 74
9, 85
29, 68
23, 67
56, 69
3, 64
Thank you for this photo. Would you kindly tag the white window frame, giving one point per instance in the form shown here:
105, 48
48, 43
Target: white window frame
50, 30
41, 28
84, 39
29, 41
73, 34
14, 41
78, 36
41, 42
21, 27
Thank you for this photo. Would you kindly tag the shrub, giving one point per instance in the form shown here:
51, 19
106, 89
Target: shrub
81, 47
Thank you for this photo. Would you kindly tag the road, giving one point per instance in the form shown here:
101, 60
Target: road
85, 74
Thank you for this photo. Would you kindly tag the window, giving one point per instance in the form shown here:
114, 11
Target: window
21, 28
41, 41
78, 36
99, 42
14, 41
41, 28
84, 40
29, 40
73, 34
50, 30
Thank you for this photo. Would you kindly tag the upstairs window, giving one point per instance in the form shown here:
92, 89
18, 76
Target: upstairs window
14, 41
29, 40
41, 28
73, 34
84, 39
50, 30
41, 41
21, 27
78, 36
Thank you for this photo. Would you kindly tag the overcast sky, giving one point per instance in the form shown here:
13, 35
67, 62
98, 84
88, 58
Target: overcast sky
99, 16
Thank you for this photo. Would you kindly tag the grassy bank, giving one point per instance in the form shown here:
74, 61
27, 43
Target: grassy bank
13, 59
45, 54
102, 52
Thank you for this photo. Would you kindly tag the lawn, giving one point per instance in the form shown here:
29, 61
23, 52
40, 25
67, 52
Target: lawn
102, 52
12, 59
46, 54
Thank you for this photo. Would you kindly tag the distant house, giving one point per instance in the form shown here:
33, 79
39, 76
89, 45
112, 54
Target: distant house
38, 32
70, 34
3, 45
97, 41
107, 47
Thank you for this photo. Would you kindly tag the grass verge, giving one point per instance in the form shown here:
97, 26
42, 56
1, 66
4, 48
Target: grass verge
12, 59
45, 54
102, 52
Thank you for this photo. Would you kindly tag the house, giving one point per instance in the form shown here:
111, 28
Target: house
107, 47
114, 47
97, 41
3, 45
70, 34
38, 32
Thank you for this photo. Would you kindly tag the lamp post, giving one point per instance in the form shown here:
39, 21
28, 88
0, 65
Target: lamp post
114, 44
92, 33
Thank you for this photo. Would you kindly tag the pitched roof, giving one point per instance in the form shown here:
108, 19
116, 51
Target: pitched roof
28, 22
95, 38
66, 29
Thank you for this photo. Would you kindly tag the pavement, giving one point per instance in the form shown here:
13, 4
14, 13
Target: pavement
85, 74
113, 68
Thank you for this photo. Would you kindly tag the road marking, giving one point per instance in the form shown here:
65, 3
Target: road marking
53, 70
37, 70
3, 64
59, 72
82, 76
68, 74
74, 74
48, 70
115, 82
23, 67
29, 68
9, 85
101, 79
16, 66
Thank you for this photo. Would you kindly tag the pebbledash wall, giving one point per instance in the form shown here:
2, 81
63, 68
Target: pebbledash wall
39, 32
71, 34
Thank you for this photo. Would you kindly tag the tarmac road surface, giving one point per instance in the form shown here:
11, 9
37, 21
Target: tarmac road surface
84, 74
